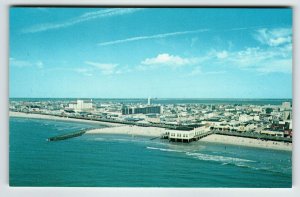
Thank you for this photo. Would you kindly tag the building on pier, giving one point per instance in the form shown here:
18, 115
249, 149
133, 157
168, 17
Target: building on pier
188, 136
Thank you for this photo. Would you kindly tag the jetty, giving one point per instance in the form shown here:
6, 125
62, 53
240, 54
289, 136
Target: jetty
67, 136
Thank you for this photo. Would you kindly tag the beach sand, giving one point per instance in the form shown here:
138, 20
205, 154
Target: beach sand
114, 128
130, 130
241, 141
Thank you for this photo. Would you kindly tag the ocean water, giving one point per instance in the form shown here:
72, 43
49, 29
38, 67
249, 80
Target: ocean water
129, 161
166, 101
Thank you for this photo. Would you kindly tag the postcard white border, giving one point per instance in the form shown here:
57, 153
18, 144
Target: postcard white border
7, 191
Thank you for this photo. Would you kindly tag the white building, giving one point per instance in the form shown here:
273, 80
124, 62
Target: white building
287, 115
286, 105
81, 105
177, 135
187, 136
256, 117
272, 133
245, 118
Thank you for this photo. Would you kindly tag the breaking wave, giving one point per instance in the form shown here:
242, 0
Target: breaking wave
164, 149
218, 158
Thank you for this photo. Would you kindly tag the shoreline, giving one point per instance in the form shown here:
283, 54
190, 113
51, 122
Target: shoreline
50, 117
115, 128
247, 142
130, 130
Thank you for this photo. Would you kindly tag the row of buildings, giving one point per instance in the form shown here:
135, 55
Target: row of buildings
275, 120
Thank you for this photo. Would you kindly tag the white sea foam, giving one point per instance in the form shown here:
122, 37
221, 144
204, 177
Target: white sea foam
206, 157
217, 158
163, 149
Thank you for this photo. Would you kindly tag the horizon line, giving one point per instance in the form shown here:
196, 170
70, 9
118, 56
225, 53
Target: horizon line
142, 98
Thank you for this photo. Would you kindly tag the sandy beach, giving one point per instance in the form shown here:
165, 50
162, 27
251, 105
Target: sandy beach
240, 141
155, 132
49, 117
114, 128
130, 130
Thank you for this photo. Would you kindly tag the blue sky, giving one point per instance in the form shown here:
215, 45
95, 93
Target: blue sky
157, 52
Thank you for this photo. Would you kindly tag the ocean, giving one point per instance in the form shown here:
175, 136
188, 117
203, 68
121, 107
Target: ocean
103, 160
166, 101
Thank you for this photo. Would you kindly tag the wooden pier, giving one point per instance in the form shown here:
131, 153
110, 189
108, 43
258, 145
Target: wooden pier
254, 136
190, 136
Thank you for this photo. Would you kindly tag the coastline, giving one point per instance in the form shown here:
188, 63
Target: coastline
49, 117
114, 128
241, 141
130, 130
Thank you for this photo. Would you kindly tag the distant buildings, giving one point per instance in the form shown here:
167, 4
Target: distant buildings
286, 105
267, 119
141, 110
245, 118
286, 109
81, 105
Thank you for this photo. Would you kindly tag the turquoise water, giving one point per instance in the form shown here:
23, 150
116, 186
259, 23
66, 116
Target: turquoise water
126, 161
166, 101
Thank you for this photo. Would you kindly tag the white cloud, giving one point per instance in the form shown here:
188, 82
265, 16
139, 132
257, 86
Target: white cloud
25, 63
169, 60
274, 37
164, 35
83, 18
151, 37
263, 60
106, 69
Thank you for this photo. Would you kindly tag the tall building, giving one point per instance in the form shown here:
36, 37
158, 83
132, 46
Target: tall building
141, 110
287, 115
81, 105
286, 105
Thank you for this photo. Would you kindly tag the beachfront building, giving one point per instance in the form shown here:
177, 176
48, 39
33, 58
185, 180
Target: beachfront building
81, 105
181, 136
286, 105
187, 136
273, 133
141, 110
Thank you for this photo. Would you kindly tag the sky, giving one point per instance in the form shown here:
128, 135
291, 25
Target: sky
150, 52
